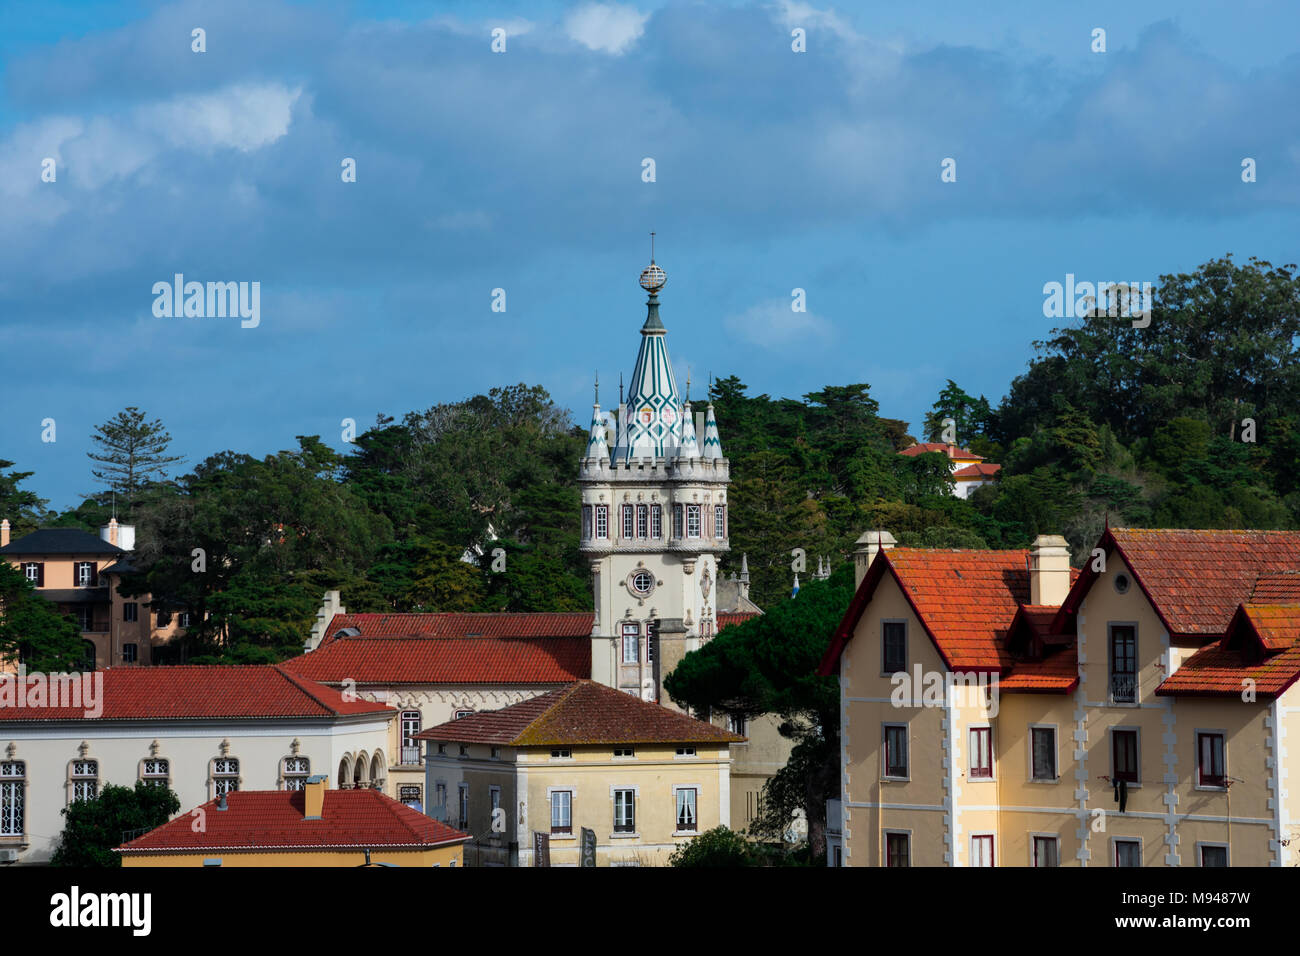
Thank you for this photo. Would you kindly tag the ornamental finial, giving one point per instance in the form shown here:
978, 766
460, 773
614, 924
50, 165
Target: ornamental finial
652, 277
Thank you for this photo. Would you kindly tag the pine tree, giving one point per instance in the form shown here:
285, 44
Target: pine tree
133, 452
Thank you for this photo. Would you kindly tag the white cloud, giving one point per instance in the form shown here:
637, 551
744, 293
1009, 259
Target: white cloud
239, 117
771, 324
606, 27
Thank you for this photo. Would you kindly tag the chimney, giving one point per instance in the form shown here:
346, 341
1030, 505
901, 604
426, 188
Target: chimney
112, 531
869, 544
1049, 570
314, 791
4, 532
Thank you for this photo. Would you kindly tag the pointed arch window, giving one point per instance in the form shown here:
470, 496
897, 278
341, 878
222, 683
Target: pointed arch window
586, 521
627, 521
602, 521
677, 521
642, 521
720, 521
656, 521
13, 797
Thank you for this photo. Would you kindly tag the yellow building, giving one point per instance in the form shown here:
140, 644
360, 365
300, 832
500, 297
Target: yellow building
999, 708
643, 778
314, 826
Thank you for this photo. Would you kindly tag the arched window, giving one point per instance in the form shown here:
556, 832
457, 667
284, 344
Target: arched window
345, 773
642, 521
627, 521
378, 769
602, 521
656, 521
155, 772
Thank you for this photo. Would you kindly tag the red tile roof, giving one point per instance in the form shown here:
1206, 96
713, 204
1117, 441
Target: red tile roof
1283, 588
576, 624
192, 692
1218, 671
1276, 625
727, 619
1056, 672
1195, 579
966, 600
582, 713
982, 469
463, 660
273, 820
952, 451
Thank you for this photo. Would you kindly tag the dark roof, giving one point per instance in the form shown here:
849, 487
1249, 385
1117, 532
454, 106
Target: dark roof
585, 712
60, 541
76, 595
120, 566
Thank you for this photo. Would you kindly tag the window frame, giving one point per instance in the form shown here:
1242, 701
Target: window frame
884, 646
719, 521
296, 779
656, 522
679, 522
887, 856
1115, 842
1203, 845
1111, 674
587, 520
1034, 730
224, 781
627, 522
887, 764
13, 799
153, 777
80, 780
642, 522
630, 634
985, 839
979, 771
553, 806
1053, 838
1115, 775
693, 521
1204, 782
628, 826
602, 522
694, 791
130, 612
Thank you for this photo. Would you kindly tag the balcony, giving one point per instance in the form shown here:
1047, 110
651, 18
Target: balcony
410, 756
1123, 688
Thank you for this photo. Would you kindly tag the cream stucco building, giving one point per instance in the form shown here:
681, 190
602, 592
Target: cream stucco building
998, 708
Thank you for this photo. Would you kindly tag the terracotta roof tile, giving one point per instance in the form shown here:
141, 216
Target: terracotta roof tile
1055, 673
464, 660
952, 451
1218, 671
585, 712
981, 469
727, 619
192, 692
1283, 588
576, 624
273, 819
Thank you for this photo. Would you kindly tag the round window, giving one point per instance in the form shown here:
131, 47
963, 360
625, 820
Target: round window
1121, 583
643, 582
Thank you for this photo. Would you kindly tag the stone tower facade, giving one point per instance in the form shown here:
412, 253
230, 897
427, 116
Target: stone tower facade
654, 521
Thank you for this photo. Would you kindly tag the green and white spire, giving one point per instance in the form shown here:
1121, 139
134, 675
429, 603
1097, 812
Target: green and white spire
690, 447
712, 443
597, 447
653, 411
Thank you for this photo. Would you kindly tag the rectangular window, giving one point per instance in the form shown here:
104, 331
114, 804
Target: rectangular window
156, 773
719, 521
896, 750
13, 797
656, 521
562, 811
561, 754
409, 794
602, 521
1043, 740
736, 723
32, 572
586, 521
893, 644
624, 811
631, 643
686, 751
296, 772
642, 521
440, 795
686, 819
898, 849
411, 723
1123, 663
85, 779
1045, 851
85, 617
981, 753
463, 816
627, 521
1210, 765
85, 574
1128, 853
1214, 854
186, 618
981, 849
677, 521
624, 752
129, 652
1124, 755
494, 797
692, 521
225, 776
130, 612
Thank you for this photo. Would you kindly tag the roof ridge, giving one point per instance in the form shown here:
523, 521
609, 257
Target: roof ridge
298, 682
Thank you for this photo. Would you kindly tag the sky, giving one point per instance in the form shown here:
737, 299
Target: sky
524, 171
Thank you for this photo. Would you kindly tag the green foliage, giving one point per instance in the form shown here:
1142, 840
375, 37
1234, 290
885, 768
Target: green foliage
23, 508
32, 630
93, 828
971, 416
719, 847
131, 452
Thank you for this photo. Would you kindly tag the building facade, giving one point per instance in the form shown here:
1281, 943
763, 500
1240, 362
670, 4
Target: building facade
1002, 709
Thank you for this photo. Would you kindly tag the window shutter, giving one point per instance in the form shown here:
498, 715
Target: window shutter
40, 574
94, 574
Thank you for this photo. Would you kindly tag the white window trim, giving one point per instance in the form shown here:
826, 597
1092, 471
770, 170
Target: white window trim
572, 791
884, 845
1042, 836
1137, 663
636, 812
970, 848
699, 793
1110, 757
884, 776
993, 756
1227, 849
690, 756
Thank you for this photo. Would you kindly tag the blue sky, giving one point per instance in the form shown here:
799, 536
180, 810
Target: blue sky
775, 170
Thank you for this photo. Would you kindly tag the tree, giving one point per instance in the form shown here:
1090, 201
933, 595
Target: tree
132, 451
970, 415
719, 847
22, 507
32, 630
94, 828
